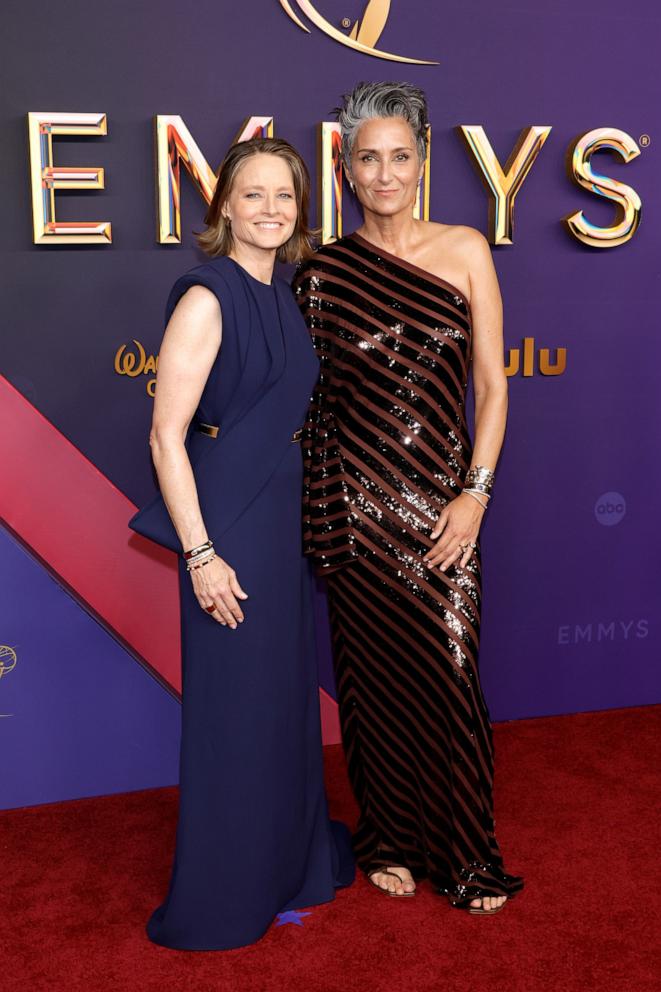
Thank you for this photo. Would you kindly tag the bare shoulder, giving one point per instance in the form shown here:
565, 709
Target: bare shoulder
456, 253
465, 245
467, 241
195, 324
198, 301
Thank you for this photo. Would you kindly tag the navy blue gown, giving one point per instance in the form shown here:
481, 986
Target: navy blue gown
253, 836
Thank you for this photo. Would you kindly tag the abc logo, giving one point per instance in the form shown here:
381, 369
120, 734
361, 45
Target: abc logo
610, 508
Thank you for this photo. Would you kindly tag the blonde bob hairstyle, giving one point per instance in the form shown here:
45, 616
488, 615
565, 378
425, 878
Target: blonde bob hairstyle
218, 238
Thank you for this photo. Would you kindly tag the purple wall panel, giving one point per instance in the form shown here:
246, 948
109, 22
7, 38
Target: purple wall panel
571, 586
78, 715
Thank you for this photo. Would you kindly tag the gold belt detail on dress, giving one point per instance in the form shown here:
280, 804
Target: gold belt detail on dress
207, 429
212, 431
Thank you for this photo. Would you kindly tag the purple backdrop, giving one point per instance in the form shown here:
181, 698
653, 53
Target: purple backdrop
77, 713
570, 548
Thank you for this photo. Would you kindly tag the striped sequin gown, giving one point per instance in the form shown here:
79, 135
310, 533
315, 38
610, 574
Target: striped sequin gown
386, 447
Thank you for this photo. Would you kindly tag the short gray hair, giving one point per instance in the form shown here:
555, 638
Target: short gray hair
369, 100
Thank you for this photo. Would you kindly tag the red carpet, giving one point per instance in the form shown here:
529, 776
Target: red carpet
577, 804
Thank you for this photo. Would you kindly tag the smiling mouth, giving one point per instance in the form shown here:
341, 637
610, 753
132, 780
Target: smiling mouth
269, 225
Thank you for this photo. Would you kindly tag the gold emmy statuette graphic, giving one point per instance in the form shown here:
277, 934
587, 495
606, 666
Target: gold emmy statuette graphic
7, 664
364, 34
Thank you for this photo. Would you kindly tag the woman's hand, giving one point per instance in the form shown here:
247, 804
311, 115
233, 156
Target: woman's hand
216, 585
457, 527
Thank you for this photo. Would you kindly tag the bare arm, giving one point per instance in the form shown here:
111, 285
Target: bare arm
190, 345
459, 523
489, 377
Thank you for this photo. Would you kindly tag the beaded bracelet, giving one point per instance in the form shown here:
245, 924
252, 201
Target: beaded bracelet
201, 564
209, 552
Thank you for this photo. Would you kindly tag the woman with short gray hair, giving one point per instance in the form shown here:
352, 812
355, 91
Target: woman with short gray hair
395, 494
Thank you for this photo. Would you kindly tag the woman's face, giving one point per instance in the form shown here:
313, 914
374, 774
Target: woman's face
262, 203
385, 166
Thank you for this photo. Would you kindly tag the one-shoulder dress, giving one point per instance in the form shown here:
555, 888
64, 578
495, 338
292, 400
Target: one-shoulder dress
386, 446
253, 835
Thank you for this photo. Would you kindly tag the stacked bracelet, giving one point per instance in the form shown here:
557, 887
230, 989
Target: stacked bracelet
200, 564
197, 557
479, 479
194, 552
477, 496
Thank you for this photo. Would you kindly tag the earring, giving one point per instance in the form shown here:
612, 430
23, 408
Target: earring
351, 186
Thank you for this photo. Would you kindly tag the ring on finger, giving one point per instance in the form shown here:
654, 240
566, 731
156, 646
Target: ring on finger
211, 609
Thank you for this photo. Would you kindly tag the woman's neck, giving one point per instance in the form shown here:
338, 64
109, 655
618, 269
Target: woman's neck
258, 262
396, 234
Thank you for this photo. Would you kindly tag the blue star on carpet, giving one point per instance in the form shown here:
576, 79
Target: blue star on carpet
291, 916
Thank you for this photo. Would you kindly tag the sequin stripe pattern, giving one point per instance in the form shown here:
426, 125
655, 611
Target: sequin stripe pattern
327, 522
386, 447
418, 740
400, 344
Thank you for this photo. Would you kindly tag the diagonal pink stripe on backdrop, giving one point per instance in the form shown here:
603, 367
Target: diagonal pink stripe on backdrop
73, 517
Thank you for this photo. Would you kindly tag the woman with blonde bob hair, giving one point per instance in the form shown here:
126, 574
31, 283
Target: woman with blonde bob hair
236, 370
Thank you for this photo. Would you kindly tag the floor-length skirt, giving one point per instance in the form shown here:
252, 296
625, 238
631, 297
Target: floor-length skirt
415, 725
253, 836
